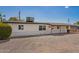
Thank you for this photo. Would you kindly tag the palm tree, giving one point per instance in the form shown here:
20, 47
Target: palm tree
2, 17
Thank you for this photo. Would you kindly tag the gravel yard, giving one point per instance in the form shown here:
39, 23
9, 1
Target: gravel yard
67, 43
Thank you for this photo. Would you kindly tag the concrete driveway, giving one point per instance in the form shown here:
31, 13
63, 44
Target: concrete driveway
39, 44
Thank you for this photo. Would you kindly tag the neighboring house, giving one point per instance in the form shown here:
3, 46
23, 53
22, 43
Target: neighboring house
74, 29
20, 28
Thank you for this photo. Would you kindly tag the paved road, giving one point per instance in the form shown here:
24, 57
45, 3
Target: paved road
49, 43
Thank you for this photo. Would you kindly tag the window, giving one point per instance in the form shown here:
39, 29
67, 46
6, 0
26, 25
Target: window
20, 27
42, 28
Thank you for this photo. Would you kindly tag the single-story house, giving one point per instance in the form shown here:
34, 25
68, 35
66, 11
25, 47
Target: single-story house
20, 28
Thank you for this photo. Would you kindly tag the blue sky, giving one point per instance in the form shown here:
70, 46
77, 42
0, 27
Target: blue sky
43, 13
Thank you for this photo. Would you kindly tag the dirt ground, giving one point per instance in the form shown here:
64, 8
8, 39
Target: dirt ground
63, 43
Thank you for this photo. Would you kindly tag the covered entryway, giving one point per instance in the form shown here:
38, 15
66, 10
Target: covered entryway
59, 29
68, 29
55, 29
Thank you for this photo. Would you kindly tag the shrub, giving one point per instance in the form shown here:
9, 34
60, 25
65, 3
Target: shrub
5, 31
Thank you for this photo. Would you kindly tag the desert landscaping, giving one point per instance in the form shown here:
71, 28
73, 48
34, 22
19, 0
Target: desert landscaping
63, 43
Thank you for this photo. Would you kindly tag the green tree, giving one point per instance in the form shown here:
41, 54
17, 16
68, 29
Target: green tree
13, 19
77, 23
5, 31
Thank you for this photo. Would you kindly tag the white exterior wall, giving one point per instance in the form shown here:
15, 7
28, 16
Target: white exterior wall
33, 29
29, 29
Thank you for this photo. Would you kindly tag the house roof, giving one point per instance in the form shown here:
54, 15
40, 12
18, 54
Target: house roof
23, 22
59, 24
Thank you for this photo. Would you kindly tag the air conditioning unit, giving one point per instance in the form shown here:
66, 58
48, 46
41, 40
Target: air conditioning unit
29, 19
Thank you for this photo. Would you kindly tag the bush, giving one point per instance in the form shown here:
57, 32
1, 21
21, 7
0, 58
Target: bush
5, 31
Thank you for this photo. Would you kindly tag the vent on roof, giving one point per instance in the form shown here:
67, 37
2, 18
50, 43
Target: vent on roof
30, 19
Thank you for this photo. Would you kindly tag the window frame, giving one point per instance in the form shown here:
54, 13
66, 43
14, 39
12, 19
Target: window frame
42, 27
20, 27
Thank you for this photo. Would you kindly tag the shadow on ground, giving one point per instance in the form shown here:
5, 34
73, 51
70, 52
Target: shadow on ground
61, 34
3, 41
